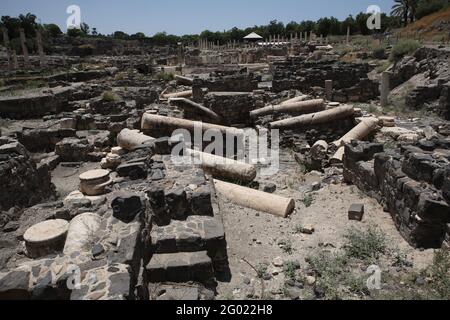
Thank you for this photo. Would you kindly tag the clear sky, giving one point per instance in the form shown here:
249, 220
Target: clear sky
185, 16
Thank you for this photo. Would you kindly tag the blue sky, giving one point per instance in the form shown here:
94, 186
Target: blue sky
185, 16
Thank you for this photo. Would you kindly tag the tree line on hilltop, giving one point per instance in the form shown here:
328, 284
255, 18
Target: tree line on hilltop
403, 12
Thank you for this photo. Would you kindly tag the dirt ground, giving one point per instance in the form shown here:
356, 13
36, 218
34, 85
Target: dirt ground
256, 237
66, 178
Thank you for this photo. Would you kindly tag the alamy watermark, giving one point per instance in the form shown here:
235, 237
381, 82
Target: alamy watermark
374, 21
74, 20
374, 280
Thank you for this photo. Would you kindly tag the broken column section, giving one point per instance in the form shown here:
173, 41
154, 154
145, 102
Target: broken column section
224, 168
291, 107
254, 199
330, 115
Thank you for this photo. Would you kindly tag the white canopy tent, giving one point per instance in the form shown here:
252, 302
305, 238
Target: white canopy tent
253, 36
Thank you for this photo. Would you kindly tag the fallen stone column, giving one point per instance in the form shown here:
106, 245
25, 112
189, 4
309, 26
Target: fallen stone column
220, 167
296, 99
338, 156
156, 122
132, 139
319, 148
325, 116
182, 94
82, 232
254, 199
301, 106
183, 103
184, 80
362, 130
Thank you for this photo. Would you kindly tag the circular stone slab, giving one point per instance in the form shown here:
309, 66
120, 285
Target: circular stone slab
94, 175
46, 231
46, 237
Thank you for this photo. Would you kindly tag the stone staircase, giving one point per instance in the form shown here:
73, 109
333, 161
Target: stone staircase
187, 250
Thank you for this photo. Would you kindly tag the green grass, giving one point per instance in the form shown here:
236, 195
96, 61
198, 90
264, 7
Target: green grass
403, 48
365, 245
166, 76
329, 268
286, 246
109, 96
290, 268
308, 201
261, 270
440, 273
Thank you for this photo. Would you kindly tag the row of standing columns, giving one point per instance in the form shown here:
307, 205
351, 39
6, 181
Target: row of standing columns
205, 44
12, 55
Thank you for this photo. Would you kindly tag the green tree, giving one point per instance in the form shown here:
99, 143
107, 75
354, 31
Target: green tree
120, 35
52, 30
426, 7
401, 8
84, 27
28, 23
74, 32
137, 36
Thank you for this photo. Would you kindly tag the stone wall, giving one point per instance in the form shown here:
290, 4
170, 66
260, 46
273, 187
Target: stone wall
23, 183
228, 83
233, 107
350, 81
412, 184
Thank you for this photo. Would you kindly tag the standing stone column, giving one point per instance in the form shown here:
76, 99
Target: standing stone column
23, 41
384, 90
329, 89
15, 62
348, 35
6, 44
5, 37
40, 47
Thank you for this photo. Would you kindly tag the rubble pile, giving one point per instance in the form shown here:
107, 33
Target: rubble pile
431, 62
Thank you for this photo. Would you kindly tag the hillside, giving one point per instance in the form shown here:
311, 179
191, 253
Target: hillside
435, 26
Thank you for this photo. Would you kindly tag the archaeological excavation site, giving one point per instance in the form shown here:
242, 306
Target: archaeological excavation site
279, 162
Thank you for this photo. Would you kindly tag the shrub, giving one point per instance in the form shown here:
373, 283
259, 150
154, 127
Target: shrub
166, 76
109, 96
365, 245
261, 270
286, 246
308, 201
440, 271
379, 53
403, 48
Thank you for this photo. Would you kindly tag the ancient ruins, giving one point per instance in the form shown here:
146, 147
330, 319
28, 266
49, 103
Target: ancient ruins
93, 205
